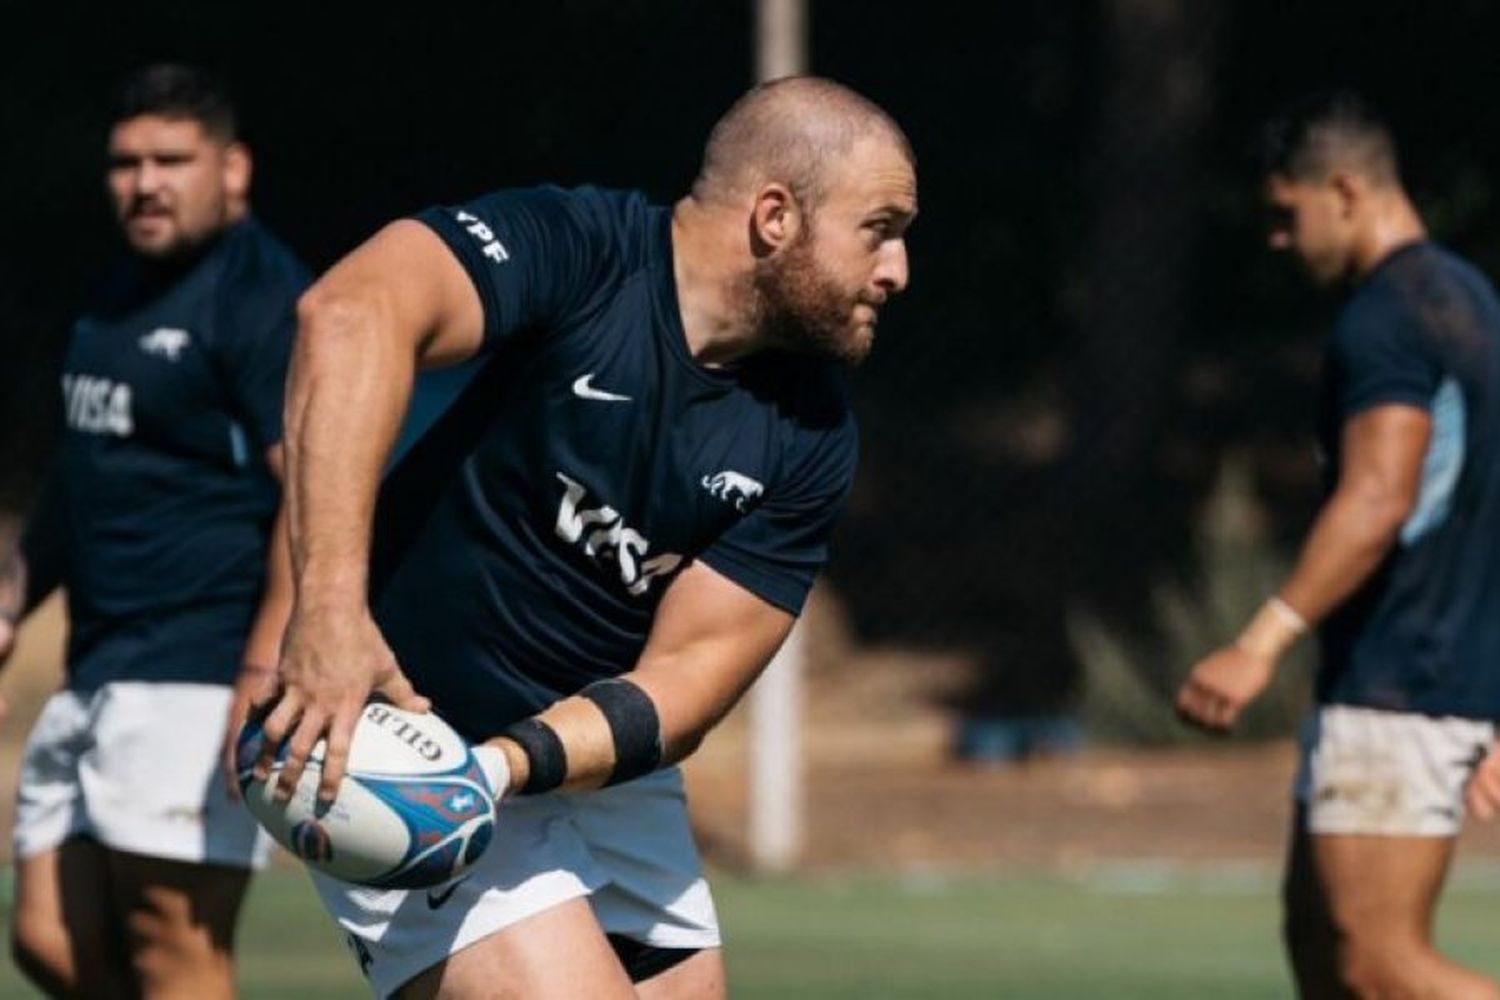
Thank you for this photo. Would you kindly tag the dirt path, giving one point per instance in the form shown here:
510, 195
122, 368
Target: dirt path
880, 790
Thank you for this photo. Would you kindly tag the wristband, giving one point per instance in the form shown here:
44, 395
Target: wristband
633, 725
1273, 630
546, 759
1287, 613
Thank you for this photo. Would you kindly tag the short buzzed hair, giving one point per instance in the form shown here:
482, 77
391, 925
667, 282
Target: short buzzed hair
1325, 131
174, 90
789, 130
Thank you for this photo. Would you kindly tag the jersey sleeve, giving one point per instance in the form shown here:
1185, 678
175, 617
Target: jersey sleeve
776, 550
255, 328
1380, 357
536, 255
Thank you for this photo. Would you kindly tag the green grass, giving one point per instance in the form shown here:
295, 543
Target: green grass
1124, 932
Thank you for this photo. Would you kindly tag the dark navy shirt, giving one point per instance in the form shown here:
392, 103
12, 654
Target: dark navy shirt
172, 393
523, 544
1423, 634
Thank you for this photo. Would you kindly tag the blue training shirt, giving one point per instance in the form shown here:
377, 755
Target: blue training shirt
523, 544
1423, 634
172, 393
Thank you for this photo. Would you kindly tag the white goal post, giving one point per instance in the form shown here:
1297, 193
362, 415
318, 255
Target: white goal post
775, 801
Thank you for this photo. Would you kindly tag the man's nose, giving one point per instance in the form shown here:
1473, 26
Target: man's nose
893, 272
148, 178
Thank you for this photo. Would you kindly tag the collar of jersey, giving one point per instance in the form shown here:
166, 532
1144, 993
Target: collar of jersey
671, 311
1401, 251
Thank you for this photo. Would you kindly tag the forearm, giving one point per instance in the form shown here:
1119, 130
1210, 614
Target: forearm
710, 641
571, 737
1351, 537
350, 380
591, 739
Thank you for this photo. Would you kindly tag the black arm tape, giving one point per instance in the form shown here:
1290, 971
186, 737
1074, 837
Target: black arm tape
632, 722
544, 753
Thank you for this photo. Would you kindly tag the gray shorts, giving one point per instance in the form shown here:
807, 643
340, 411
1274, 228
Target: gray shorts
135, 765
629, 849
1398, 774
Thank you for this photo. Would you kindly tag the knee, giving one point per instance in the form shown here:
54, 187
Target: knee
1376, 969
1360, 971
43, 952
159, 947
176, 958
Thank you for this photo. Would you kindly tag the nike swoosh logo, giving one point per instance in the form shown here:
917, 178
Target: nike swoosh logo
583, 390
437, 899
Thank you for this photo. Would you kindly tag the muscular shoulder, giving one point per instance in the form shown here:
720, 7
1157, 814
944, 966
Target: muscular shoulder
544, 257
1426, 307
1380, 312
608, 222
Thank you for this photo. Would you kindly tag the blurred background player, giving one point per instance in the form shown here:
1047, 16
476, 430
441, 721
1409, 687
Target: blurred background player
1397, 569
614, 527
131, 862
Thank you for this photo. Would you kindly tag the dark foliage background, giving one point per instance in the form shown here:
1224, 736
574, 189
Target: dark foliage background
1092, 325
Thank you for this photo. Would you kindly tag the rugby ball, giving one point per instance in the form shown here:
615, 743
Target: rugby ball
414, 808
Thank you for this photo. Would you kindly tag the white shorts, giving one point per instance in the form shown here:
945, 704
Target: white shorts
1394, 774
629, 849
135, 765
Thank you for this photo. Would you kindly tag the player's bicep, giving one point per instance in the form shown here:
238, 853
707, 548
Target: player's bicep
709, 640
1382, 453
406, 280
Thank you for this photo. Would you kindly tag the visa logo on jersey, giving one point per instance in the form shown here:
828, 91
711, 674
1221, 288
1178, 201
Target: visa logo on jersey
97, 405
606, 537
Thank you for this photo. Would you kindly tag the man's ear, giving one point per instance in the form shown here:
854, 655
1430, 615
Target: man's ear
777, 219
1352, 190
238, 166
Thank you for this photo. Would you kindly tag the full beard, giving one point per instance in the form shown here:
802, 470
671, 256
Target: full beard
801, 309
186, 237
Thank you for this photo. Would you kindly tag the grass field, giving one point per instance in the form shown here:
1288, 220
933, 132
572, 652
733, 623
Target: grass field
1136, 931
882, 802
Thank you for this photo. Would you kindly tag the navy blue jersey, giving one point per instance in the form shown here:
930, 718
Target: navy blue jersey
1423, 634
523, 544
172, 393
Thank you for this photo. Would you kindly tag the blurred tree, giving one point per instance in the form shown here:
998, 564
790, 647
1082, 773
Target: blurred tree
1092, 323
1146, 184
